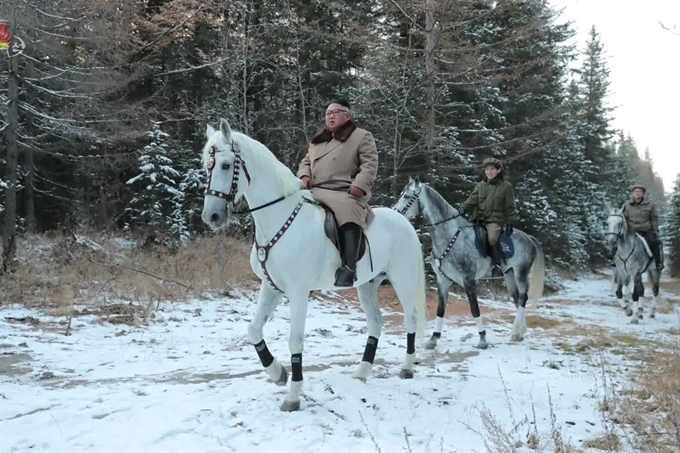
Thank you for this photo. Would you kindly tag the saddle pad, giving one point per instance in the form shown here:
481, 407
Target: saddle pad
507, 245
647, 249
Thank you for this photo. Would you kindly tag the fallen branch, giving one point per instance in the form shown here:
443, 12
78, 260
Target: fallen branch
122, 266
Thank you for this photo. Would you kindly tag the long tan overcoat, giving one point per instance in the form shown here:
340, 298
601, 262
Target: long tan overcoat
335, 165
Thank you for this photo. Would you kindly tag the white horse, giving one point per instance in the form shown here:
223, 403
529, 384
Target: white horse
293, 255
632, 259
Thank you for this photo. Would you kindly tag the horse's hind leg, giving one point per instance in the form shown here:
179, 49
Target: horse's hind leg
471, 293
267, 301
519, 284
443, 286
368, 296
406, 291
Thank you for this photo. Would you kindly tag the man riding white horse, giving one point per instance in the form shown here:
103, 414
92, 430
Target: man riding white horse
340, 168
643, 218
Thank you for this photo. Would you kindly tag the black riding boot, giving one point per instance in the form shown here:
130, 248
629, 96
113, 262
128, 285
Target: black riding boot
656, 251
350, 237
497, 259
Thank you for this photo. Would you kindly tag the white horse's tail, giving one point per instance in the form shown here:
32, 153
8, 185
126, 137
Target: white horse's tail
421, 301
537, 277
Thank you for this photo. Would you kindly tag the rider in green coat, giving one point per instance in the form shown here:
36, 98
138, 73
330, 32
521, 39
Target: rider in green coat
492, 203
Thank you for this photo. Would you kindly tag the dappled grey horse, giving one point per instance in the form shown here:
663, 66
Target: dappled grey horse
632, 258
457, 258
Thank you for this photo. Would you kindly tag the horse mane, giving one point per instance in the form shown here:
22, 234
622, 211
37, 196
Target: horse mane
439, 202
257, 155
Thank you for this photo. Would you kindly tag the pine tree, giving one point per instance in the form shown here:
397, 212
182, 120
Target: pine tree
157, 204
671, 229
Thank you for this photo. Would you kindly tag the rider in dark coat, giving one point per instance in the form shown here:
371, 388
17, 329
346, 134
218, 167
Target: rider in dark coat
643, 218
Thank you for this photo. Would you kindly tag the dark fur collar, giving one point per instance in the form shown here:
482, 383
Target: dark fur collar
340, 135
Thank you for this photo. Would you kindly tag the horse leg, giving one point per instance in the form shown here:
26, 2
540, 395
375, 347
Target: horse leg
654, 277
471, 293
267, 301
519, 327
625, 291
298, 318
368, 296
443, 286
628, 293
406, 292
619, 295
637, 304
512, 286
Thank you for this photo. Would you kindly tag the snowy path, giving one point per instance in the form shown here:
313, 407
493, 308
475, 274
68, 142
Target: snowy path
191, 382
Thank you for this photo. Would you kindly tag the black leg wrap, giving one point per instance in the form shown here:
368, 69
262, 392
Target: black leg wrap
266, 357
410, 343
441, 309
296, 364
369, 352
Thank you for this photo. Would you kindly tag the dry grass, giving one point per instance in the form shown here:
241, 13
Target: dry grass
672, 286
651, 407
57, 272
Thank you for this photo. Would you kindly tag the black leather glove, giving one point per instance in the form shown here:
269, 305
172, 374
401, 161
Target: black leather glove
508, 229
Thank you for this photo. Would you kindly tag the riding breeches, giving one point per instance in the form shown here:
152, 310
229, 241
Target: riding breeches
651, 238
493, 231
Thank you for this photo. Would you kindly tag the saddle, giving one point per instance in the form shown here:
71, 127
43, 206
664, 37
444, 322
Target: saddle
482, 243
330, 226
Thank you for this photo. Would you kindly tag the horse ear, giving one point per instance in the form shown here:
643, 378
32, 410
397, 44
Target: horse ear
209, 131
410, 180
225, 129
417, 180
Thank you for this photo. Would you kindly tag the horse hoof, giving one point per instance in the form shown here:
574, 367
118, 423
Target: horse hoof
361, 379
629, 312
634, 321
652, 315
290, 406
482, 345
283, 377
406, 374
430, 344
516, 337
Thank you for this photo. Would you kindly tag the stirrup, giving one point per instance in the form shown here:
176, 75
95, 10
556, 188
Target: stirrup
345, 276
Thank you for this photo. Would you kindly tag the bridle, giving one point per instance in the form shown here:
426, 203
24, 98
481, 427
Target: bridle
620, 233
415, 198
238, 164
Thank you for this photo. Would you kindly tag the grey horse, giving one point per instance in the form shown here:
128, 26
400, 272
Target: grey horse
632, 258
457, 258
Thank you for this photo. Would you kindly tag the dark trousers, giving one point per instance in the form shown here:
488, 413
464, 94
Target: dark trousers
654, 244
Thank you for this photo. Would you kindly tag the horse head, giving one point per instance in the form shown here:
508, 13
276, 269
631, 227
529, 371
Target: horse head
409, 204
223, 164
616, 230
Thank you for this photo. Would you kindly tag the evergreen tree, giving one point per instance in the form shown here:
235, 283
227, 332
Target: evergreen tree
671, 230
157, 203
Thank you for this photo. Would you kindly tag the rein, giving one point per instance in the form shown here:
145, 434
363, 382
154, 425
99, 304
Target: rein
437, 259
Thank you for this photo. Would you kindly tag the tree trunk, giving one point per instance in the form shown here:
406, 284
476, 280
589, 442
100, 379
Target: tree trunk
29, 164
9, 234
430, 68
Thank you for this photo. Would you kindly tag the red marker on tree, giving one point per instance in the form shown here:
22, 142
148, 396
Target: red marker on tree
5, 36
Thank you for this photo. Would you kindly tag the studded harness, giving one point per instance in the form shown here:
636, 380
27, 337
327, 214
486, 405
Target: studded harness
262, 251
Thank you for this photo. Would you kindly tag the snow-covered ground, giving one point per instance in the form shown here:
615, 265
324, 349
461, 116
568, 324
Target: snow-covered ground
191, 382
